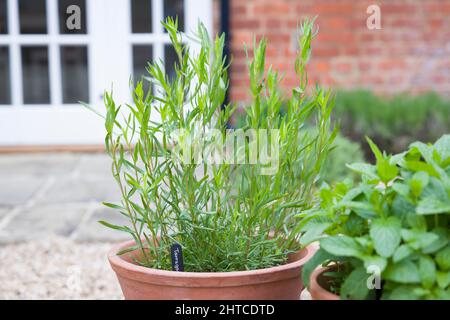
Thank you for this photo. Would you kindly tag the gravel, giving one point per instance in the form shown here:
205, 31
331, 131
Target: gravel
57, 268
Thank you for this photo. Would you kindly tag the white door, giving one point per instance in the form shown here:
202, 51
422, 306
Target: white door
51, 58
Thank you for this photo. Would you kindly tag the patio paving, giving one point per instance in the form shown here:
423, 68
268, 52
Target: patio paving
57, 194
51, 244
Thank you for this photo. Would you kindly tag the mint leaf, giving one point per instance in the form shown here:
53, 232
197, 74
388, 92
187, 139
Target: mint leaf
443, 259
355, 285
403, 293
405, 271
320, 257
439, 243
377, 261
342, 246
443, 279
427, 270
433, 205
418, 182
376, 151
442, 147
385, 233
314, 230
364, 169
402, 252
425, 150
386, 171
417, 239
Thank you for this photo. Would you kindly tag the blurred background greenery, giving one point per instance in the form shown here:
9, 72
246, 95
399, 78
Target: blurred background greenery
392, 122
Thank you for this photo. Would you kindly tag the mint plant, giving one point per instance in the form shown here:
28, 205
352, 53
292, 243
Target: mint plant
395, 223
226, 216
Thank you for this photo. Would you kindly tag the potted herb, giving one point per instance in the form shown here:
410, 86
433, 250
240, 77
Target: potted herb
388, 236
214, 224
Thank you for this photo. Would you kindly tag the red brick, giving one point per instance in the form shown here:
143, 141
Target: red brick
364, 66
392, 64
245, 24
347, 54
273, 24
397, 8
277, 37
345, 8
343, 67
239, 9
328, 51
271, 8
322, 66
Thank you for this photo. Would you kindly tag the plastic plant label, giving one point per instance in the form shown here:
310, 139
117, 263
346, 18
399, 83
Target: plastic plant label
177, 257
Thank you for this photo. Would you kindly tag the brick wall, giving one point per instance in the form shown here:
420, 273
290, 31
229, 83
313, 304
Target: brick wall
410, 53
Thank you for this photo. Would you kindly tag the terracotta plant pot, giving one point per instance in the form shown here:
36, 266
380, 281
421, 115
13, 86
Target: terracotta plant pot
137, 282
317, 286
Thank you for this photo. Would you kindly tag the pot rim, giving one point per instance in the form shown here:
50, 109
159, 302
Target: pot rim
140, 273
316, 289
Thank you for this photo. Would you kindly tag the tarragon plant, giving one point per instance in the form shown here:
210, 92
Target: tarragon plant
390, 232
226, 215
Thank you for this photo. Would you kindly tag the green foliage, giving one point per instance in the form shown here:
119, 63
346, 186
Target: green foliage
397, 218
393, 122
226, 217
344, 151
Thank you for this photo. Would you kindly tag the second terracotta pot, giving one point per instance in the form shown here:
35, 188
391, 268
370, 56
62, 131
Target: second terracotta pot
137, 282
318, 285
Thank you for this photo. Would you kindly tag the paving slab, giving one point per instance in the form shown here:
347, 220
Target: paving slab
54, 194
18, 190
41, 221
81, 189
92, 230
94, 165
39, 164
3, 212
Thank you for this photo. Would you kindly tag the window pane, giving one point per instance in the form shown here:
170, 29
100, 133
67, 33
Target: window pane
74, 74
141, 16
36, 84
142, 54
3, 17
32, 14
72, 16
170, 59
175, 8
5, 80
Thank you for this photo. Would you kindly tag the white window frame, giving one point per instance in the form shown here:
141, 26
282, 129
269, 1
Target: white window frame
109, 40
53, 40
